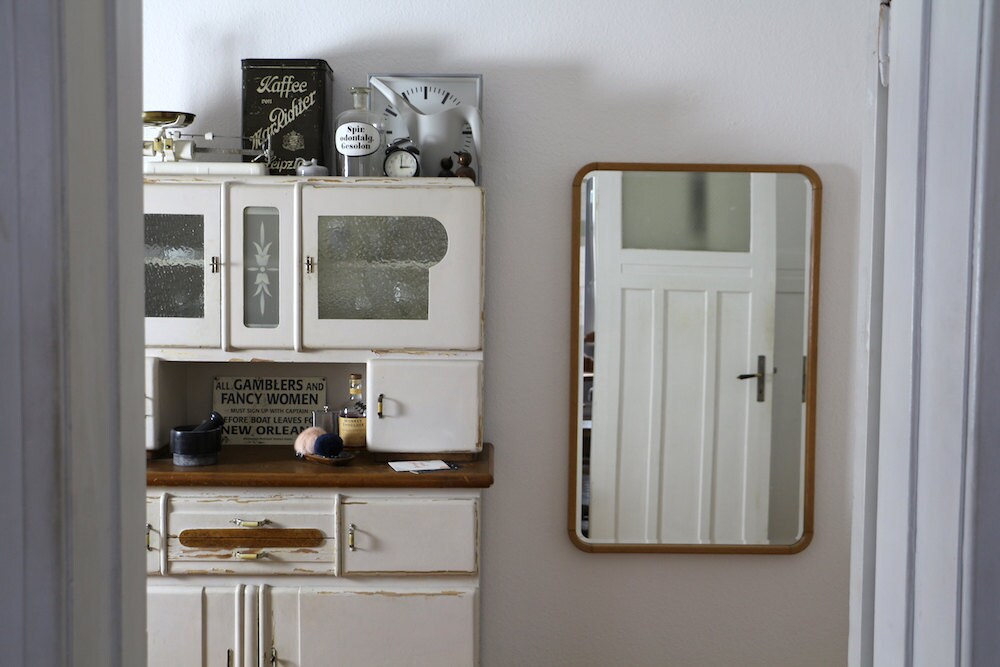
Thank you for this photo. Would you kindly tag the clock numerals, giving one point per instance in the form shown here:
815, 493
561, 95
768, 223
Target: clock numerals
430, 95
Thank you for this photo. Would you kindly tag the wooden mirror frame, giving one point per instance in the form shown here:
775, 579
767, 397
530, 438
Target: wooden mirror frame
812, 290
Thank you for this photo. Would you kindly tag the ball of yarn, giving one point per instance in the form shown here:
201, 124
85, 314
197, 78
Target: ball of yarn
305, 442
329, 444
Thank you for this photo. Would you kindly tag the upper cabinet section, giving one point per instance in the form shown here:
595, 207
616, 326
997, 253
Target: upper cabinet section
409, 257
297, 264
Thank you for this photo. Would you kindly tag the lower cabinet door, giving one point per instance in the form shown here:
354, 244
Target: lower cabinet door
199, 626
373, 627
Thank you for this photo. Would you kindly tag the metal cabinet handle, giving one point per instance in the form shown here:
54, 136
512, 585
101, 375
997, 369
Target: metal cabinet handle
761, 371
310, 265
274, 656
229, 657
216, 264
149, 546
247, 555
379, 405
350, 537
243, 523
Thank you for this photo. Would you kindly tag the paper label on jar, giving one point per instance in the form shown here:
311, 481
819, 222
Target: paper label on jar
353, 431
355, 139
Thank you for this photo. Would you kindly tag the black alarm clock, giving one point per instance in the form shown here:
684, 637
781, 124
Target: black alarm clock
401, 158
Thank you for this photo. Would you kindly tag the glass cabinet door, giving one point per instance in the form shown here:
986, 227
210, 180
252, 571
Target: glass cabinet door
390, 268
182, 265
261, 270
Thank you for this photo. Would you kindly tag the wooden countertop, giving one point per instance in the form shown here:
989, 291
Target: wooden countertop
277, 466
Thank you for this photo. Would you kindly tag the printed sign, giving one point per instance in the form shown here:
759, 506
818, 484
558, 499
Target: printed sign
266, 410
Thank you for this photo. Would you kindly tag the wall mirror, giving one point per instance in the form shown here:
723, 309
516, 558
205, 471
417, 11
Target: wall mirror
693, 390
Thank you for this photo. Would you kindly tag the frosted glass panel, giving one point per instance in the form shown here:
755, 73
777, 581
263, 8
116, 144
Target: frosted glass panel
175, 265
377, 267
686, 211
261, 289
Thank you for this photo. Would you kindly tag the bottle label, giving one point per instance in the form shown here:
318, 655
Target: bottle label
355, 139
353, 431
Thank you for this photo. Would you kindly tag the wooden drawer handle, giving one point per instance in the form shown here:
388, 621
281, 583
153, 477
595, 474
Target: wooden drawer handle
251, 538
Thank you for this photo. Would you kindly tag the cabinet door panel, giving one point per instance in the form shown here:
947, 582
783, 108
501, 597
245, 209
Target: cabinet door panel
372, 627
182, 226
408, 536
426, 405
393, 267
192, 626
261, 265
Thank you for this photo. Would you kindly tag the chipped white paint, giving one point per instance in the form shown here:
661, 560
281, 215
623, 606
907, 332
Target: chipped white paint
415, 570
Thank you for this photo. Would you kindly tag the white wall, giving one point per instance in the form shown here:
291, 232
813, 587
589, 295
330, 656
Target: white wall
566, 83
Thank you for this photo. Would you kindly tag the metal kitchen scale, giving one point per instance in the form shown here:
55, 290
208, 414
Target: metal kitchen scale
177, 152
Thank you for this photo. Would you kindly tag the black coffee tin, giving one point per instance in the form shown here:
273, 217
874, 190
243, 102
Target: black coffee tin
290, 101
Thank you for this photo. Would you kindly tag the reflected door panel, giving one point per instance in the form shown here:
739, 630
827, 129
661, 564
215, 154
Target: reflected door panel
676, 435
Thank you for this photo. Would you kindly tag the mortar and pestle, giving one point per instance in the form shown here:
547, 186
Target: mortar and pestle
197, 445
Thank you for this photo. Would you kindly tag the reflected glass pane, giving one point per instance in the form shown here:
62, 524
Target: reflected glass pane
686, 211
175, 265
261, 288
377, 267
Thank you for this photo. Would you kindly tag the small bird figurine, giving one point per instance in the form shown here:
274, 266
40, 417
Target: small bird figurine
464, 170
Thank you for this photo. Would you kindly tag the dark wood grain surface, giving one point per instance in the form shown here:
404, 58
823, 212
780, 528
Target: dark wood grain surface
277, 466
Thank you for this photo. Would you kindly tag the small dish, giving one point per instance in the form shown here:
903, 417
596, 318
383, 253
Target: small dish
341, 459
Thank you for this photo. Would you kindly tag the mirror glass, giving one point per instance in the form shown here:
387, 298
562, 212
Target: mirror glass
693, 357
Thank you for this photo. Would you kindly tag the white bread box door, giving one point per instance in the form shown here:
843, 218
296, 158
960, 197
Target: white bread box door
425, 405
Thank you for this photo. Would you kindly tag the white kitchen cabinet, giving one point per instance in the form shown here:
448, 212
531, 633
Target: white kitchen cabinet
261, 266
183, 264
387, 535
382, 272
305, 264
392, 267
370, 626
396, 581
424, 405
199, 626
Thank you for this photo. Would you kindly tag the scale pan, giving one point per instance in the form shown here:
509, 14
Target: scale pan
167, 118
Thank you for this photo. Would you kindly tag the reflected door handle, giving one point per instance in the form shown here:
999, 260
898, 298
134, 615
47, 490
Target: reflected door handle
761, 368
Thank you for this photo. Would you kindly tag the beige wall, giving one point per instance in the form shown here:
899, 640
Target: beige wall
567, 83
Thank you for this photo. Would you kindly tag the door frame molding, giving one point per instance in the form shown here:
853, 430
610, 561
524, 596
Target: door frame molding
70, 312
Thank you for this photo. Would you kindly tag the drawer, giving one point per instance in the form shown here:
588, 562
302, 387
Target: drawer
251, 535
410, 536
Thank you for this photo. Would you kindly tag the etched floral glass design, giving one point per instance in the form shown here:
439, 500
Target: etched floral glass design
175, 265
261, 289
377, 267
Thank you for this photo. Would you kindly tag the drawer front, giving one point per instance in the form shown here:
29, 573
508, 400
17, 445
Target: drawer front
251, 535
410, 536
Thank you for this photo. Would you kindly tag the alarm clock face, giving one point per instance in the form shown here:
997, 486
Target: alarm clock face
401, 163
429, 94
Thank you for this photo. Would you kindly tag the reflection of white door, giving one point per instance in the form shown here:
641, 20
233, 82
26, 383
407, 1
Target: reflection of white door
674, 330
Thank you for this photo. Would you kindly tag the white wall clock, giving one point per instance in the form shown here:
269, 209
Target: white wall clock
441, 113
